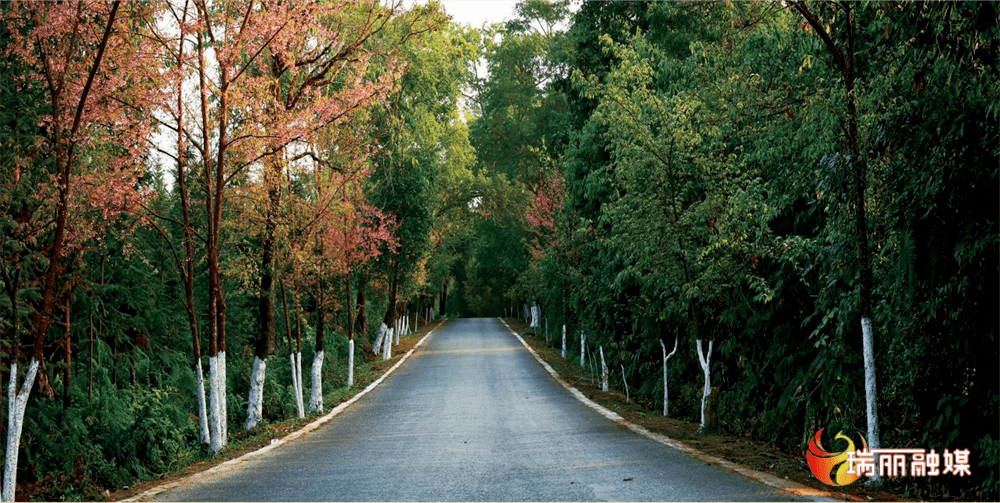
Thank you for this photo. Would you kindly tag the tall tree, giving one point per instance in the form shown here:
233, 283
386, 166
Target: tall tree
314, 75
79, 52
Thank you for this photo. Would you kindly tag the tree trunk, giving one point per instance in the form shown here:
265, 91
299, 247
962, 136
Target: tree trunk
564, 342
583, 345
604, 370
255, 405
625, 383
316, 393
362, 312
387, 345
705, 360
216, 422
666, 394
844, 61
16, 404
68, 371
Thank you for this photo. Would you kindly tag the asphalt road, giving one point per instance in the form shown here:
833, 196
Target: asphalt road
471, 416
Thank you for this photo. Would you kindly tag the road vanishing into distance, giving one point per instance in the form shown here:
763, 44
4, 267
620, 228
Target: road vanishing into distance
472, 416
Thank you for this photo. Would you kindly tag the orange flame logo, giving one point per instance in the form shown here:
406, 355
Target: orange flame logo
831, 468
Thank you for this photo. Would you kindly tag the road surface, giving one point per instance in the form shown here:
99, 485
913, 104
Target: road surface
471, 416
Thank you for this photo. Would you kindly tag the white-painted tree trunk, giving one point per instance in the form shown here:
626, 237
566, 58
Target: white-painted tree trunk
300, 408
564, 343
583, 345
350, 363
535, 314
604, 370
17, 403
705, 361
628, 398
316, 384
416, 321
872, 407
255, 406
387, 346
223, 403
546, 330
215, 409
666, 394
382, 331
202, 408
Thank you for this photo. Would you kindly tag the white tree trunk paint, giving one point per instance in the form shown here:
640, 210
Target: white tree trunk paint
705, 360
295, 385
300, 408
583, 344
872, 409
214, 421
627, 397
255, 406
223, 402
564, 343
604, 370
350, 363
17, 403
387, 346
416, 321
535, 314
316, 384
202, 409
377, 347
666, 395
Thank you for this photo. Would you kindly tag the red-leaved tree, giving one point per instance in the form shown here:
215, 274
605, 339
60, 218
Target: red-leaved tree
89, 60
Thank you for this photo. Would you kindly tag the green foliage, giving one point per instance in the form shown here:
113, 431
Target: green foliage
709, 193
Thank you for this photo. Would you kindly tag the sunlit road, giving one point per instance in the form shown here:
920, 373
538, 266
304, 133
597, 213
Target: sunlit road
471, 416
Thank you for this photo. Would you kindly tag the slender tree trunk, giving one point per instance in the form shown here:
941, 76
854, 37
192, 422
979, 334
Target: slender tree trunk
300, 406
316, 394
16, 404
604, 370
68, 371
362, 312
583, 345
844, 60
216, 310
90, 365
666, 393
628, 398
705, 360
187, 272
564, 342
295, 362
390, 313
